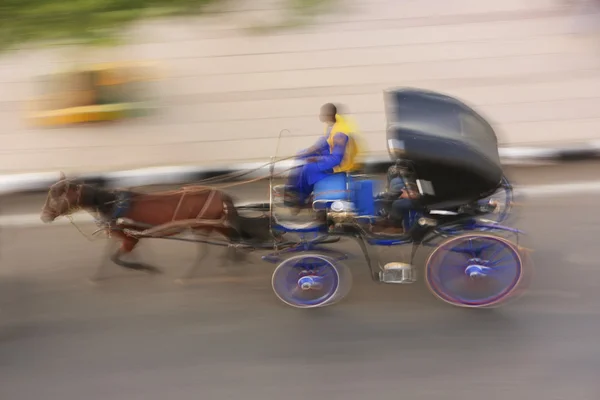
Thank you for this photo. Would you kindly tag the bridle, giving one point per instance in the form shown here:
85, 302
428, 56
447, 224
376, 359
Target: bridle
54, 203
54, 209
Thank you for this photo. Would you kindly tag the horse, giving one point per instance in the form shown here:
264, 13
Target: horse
203, 210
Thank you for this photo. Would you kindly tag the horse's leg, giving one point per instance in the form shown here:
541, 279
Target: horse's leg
201, 255
127, 247
107, 252
232, 255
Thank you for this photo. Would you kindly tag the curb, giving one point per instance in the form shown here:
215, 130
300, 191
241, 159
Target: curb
173, 175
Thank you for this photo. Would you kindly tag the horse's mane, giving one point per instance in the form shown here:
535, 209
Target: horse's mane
104, 200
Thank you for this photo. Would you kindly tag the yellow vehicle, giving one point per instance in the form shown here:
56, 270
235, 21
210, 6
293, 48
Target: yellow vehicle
102, 92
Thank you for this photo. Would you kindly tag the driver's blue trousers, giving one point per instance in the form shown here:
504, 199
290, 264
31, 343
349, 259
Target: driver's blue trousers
302, 180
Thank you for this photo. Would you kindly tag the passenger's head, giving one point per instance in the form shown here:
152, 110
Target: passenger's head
328, 112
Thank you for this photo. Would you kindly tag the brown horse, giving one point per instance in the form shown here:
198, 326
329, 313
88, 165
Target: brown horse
203, 210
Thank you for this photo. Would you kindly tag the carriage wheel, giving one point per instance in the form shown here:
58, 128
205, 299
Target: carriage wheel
474, 270
311, 280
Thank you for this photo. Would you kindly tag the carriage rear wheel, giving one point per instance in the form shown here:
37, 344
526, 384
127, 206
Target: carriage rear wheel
474, 270
311, 281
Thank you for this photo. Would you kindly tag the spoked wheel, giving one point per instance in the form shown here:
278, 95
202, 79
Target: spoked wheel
311, 281
474, 270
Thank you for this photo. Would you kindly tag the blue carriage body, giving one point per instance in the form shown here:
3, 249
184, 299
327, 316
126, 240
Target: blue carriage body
453, 153
345, 187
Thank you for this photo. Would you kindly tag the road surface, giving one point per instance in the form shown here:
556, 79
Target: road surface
227, 337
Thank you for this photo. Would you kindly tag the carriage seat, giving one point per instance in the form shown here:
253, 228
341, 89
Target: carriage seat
344, 187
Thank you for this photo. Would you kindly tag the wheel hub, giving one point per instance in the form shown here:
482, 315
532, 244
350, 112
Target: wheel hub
309, 282
477, 268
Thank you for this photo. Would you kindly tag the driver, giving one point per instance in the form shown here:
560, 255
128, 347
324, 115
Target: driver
336, 151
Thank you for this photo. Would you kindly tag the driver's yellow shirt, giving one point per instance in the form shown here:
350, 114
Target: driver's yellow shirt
354, 146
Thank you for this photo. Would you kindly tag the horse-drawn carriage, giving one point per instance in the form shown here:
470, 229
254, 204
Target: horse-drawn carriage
454, 225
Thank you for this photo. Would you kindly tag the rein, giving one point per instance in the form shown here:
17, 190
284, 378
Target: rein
105, 226
238, 174
203, 185
197, 188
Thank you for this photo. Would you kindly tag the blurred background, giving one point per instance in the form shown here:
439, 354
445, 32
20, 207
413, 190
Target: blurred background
92, 86
211, 75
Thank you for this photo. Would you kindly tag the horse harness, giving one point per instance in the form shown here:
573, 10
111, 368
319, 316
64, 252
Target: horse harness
207, 204
194, 223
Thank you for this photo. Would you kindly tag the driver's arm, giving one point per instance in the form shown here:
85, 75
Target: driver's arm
318, 148
329, 161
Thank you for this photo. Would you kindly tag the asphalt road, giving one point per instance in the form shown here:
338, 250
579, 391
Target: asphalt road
227, 337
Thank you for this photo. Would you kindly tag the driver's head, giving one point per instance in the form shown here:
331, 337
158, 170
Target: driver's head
328, 112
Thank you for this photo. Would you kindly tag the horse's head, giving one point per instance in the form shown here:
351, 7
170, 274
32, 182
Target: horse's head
63, 198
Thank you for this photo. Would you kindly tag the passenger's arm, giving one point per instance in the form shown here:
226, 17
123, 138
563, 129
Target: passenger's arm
410, 192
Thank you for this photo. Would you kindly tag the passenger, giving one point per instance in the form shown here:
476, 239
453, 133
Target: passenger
336, 151
404, 203
397, 201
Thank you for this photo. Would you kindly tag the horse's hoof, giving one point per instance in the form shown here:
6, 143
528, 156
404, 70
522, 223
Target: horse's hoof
185, 281
152, 270
188, 281
93, 281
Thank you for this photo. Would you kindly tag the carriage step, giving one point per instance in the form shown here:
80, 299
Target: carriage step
396, 272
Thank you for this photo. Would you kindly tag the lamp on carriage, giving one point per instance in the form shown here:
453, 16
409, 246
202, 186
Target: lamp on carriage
396, 148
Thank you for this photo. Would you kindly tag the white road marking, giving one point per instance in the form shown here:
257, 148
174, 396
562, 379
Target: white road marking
558, 294
556, 190
34, 220
582, 261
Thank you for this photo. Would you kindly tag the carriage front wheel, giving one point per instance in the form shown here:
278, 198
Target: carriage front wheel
474, 270
311, 281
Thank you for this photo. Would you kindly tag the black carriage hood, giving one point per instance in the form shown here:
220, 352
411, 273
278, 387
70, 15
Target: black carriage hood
450, 145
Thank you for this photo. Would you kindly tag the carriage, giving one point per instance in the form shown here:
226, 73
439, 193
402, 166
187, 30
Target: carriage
454, 227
